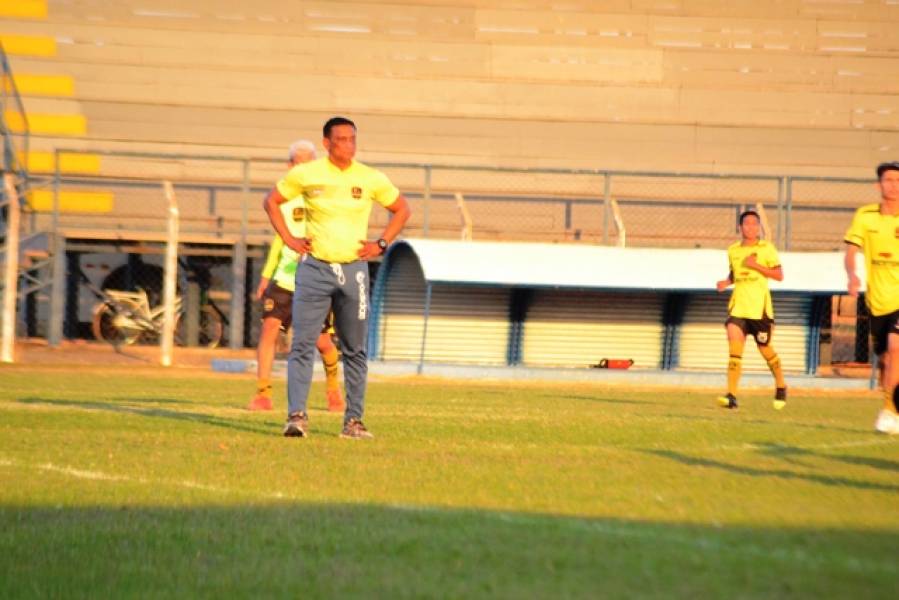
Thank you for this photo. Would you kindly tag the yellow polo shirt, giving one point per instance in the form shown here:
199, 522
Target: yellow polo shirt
338, 204
751, 298
878, 236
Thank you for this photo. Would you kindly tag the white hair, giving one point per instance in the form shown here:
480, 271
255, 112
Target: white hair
298, 146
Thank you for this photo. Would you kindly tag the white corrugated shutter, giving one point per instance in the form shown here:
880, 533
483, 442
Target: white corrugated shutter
703, 342
466, 324
578, 329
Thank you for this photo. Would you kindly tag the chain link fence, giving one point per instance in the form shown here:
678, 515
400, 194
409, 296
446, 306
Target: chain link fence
111, 227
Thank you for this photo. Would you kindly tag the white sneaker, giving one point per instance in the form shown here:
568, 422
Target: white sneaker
887, 422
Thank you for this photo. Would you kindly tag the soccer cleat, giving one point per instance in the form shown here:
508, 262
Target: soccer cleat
780, 398
887, 422
355, 430
260, 402
335, 402
296, 425
727, 401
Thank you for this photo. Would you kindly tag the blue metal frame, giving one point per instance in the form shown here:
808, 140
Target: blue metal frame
519, 303
378, 297
813, 345
672, 318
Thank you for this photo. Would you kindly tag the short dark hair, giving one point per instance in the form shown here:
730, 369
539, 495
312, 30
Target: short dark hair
887, 166
747, 213
334, 122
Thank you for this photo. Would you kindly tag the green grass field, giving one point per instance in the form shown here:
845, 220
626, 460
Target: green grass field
145, 483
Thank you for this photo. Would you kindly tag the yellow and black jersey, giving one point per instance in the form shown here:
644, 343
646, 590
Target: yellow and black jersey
877, 235
751, 298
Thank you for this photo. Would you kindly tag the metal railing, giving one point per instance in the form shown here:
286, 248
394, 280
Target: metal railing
121, 215
222, 199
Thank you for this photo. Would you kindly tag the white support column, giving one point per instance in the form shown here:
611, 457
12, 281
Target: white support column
11, 274
170, 275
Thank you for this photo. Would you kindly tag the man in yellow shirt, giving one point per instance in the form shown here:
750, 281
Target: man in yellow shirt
875, 231
338, 192
753, 262
276, 288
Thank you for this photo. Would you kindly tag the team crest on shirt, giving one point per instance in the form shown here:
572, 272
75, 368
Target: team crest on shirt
357, 192
298, 214
896, 233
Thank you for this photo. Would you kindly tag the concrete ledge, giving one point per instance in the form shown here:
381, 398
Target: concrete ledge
648, 378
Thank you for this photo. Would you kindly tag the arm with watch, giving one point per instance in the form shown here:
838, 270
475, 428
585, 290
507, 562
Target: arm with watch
400, 214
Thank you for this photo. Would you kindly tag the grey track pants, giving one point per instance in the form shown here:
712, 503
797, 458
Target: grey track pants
319, 287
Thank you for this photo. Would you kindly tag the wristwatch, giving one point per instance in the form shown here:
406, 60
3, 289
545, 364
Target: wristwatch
382, 244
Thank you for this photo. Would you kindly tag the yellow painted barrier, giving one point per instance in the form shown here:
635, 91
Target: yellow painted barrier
69, 162
44, 85
28, 45
51, 124
81, 202
29, 9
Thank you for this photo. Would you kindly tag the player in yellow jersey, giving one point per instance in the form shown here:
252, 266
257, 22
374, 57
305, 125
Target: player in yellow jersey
875, 231
276, 287
338, 193
753, 261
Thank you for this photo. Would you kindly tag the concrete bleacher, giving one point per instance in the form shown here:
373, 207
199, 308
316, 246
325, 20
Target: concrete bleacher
781, 87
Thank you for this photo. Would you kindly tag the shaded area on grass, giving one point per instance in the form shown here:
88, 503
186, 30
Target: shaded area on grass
125, 406
790, 452
333, 550
775, 421
738, 469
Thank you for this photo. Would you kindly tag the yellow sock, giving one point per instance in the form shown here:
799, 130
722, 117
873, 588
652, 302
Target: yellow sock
773, 361
734, 365
264, 387
330, 360
734, 368
891, 399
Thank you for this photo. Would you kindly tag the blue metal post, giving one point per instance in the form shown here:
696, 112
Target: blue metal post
424, 331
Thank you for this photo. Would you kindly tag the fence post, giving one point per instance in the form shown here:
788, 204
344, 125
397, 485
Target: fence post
606, 207
11, 275
57, 182
57, 290
788, 209
239, 265
426, 211
58, 250
170, 274
778, 239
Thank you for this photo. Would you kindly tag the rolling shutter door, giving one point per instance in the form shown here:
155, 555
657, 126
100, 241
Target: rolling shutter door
577, 329
703, 342
466, 324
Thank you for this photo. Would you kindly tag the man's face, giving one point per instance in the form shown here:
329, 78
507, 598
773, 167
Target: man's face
341, 144
750, 227
889, 185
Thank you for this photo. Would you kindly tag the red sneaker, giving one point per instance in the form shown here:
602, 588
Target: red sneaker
260, 402
335, 401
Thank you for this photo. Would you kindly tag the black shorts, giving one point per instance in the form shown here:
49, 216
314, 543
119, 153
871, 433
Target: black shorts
277, 303
881, 328
760, 329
